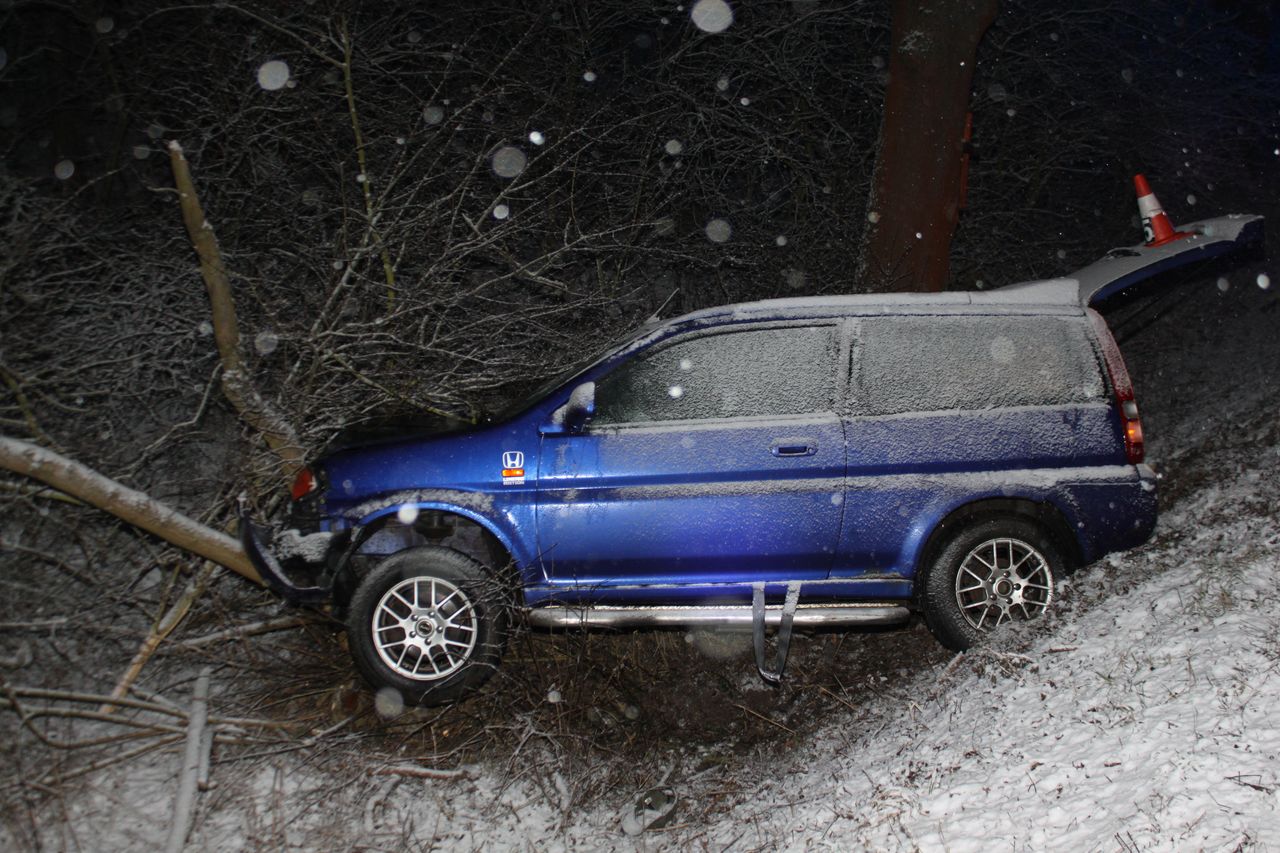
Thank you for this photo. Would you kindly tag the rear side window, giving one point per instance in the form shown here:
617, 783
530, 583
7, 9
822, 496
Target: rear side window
930, 364
750, 373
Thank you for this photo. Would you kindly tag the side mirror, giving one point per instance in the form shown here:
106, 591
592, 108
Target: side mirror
574, 415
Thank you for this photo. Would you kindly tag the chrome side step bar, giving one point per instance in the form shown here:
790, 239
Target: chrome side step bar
725, 616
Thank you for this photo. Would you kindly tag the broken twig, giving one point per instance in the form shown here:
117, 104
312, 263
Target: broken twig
193, 759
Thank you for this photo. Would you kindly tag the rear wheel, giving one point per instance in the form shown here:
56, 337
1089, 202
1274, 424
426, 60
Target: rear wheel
994, 573
430, 623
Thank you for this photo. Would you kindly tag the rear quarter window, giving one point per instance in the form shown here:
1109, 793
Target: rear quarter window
929, 364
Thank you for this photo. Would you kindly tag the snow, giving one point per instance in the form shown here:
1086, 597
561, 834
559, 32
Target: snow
433, 115
718, 230
266, 342
475, 501
508, 161
1138, 716
273, 75
711, 16
64, 169
311, 548
388, 703
925, 364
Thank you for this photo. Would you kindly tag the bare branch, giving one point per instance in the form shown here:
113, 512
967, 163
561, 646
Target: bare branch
127, 504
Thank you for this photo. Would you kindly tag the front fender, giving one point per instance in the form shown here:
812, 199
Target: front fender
372, 516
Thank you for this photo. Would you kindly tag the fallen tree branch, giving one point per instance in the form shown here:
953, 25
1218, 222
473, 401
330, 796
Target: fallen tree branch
241, 631
56, 780
27, 716
236, 383
413, 771
140, 510
34, 624
140, 705
91, 699
163, 628
766, 719
193, 760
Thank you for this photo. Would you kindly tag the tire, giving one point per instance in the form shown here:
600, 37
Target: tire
430, 623
994, 572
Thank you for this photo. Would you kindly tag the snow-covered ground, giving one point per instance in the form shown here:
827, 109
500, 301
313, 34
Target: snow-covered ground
1141, 715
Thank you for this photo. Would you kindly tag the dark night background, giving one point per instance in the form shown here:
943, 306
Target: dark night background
535, 179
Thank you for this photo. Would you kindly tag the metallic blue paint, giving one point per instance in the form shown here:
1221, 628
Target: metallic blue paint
692, 511
693, 501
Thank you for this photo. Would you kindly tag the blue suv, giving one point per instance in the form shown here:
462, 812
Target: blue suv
811, 463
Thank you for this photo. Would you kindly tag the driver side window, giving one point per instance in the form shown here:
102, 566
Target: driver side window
748, 373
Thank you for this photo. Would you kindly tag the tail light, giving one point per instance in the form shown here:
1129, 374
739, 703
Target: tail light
1122, 387
303, 484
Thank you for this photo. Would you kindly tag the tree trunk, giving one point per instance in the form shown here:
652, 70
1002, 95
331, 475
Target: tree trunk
125, 503
915, 193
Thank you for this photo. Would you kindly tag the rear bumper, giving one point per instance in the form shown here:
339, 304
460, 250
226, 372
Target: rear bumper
1115, 516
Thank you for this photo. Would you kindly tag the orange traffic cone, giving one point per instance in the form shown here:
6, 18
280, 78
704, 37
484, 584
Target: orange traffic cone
1155, 222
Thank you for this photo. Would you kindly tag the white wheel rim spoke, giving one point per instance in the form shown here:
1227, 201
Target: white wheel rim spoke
424, 643
1003, 580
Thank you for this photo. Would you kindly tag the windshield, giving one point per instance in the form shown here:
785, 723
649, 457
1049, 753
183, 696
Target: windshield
525, 401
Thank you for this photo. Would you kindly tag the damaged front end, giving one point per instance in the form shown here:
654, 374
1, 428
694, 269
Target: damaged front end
299, 561
301, 568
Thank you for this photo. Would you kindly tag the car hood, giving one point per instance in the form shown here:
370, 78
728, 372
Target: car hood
444, 467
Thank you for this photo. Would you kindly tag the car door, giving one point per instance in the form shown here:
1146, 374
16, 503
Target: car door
713, 457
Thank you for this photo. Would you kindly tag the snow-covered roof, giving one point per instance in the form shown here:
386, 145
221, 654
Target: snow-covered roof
1053, 295
1117, 270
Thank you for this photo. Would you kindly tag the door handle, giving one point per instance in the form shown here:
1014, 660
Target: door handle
793, 448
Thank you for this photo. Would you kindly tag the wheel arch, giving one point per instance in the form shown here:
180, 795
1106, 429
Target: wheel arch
1044, 514
384, 533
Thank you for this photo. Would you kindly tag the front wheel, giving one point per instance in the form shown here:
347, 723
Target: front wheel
994, 573
430, 623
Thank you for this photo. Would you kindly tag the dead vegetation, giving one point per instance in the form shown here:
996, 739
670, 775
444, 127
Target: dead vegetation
405, 291
580, 716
